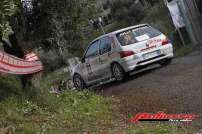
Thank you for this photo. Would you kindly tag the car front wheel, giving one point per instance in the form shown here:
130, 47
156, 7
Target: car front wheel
78, 82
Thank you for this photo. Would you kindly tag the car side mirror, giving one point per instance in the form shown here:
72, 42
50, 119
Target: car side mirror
83, 60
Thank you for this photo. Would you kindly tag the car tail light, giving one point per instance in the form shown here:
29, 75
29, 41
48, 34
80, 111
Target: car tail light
124, 54
165, 42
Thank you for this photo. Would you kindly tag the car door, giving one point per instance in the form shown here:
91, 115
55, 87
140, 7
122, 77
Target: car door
104, 59
92, 62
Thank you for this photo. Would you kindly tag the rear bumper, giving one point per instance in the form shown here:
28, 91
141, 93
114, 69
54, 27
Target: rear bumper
137, 61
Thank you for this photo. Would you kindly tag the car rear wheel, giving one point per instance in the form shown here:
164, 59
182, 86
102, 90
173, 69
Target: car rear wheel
165, 62
78, 82
118, 72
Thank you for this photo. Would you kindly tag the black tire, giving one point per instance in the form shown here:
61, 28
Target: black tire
79, 82
118, 72
165, 62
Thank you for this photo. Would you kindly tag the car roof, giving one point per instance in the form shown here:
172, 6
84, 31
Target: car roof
120, 30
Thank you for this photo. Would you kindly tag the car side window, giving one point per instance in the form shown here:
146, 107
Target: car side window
105, 45
92, 50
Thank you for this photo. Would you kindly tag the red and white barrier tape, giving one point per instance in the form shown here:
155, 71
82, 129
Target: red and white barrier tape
12, 65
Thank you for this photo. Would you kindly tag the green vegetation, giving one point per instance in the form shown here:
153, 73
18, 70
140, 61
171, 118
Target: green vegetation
72, 112
182, 51
56, 29
9, 86
7, 9
127, 12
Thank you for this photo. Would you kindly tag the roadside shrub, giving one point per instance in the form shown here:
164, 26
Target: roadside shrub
52, 60
127, 11
9, 86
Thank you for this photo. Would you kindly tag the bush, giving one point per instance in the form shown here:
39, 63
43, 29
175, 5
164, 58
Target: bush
127, 11
9, 86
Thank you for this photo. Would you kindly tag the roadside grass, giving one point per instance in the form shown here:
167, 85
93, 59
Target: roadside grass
183, 50
71, 112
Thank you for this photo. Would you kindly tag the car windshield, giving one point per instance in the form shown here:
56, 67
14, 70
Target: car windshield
135, 35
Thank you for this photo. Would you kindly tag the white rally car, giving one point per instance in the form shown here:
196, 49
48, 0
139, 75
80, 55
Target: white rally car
115, 55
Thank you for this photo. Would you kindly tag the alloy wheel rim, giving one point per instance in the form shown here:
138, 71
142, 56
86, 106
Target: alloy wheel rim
117, 72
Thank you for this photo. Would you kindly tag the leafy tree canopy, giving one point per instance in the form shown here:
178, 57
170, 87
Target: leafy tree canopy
7, 9
55, 24
127, 11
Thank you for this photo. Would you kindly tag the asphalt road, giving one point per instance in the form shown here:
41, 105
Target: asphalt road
176, 88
